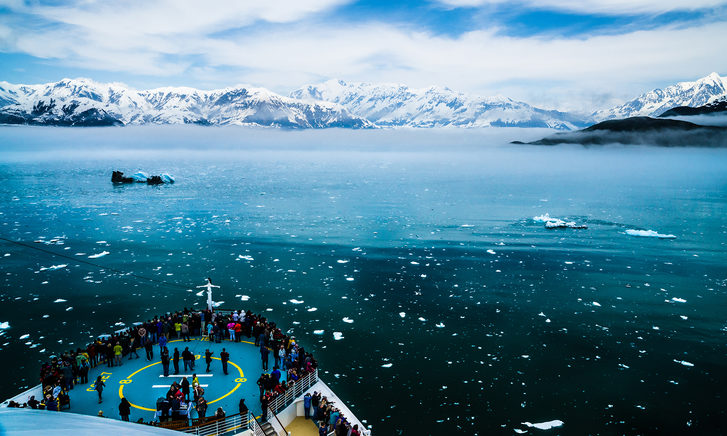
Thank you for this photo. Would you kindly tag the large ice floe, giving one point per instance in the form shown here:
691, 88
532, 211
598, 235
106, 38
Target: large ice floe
544, 425
648, 234
557, 223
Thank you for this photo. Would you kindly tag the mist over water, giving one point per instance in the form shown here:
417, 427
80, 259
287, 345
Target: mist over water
468, 315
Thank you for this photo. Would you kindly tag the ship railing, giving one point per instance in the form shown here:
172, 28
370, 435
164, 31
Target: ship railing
255, 427
263, 428
299, 387
277, 425
228, 425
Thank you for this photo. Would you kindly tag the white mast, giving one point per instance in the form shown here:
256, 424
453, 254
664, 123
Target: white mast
209, 287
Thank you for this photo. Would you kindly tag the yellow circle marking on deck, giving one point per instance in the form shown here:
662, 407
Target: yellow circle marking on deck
128, 380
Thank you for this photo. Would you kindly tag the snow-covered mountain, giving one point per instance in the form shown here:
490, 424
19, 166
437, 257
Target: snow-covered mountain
390, 105
653, 103
85, 102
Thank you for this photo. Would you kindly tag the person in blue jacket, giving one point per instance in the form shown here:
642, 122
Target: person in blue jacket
306, 404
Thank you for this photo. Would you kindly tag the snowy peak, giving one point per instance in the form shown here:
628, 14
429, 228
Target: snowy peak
397, 105
80, 102
653, 103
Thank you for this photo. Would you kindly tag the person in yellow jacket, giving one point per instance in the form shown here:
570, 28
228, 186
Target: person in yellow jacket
117, 353
178, 328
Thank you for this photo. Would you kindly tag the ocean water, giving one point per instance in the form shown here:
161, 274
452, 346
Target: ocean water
409, 262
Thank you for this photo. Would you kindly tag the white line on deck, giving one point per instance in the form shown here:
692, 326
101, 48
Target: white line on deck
167, 386
185, 375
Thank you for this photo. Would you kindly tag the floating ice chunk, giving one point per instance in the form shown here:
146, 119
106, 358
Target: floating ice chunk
54, 267
402, 314
167, 178
596, 303
518, 431
342, 261
422, 319
440, 325
683, 317
387, 365
678, 300
60, 300
294, 301
199, 294
541, 314
4, 325
69, 308
491, 251
544, 425
348, 320
467, 226
557, 223
217, 303
337, 336
318, 332
350, 279
25, 336
101, 254
140, 176
560, 224
245, 257
648, 234
683, 362
542, 218
414, 262
312, 309
245, 297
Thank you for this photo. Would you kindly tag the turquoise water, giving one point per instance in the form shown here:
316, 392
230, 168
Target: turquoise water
468, 315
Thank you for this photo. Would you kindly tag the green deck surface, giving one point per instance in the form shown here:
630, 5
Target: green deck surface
142, 381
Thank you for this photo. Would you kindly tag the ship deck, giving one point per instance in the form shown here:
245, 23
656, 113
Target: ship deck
142, 381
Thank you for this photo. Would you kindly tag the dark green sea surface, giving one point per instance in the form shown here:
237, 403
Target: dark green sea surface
468, 316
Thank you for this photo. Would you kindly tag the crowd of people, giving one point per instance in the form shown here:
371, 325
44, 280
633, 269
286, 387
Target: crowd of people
291, 362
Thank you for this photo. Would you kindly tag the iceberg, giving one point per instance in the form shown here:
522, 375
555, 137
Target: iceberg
544, 425
557, 223
140, 176
53, 267
101, 254
648, 234
167, 178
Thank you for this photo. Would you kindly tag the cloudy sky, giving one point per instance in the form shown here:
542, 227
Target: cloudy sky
565, 54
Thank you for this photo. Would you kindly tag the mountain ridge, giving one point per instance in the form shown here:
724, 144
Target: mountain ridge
657, 101
397, 105
65, 102
334, 103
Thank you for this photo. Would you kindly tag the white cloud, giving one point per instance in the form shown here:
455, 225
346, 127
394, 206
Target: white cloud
164, 40
173, 17
608, 7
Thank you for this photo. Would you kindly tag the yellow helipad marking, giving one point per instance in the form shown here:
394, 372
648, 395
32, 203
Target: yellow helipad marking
239, 381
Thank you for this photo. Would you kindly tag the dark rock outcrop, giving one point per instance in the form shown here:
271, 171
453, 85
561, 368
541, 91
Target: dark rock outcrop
642, 131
